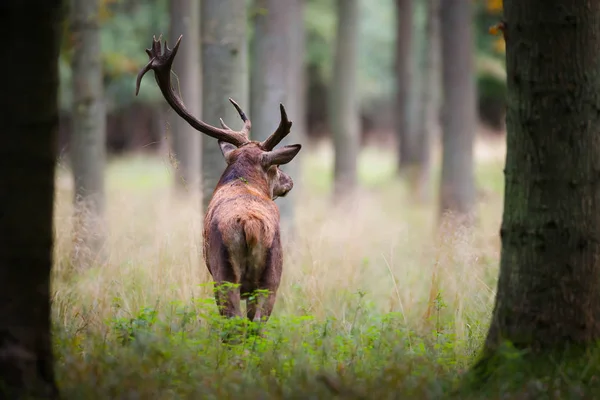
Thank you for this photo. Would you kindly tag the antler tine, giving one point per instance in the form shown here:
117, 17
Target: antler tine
245, 119
161, 62
282, 131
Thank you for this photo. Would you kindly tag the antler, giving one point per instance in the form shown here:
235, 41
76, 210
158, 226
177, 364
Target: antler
282, 131
161, 64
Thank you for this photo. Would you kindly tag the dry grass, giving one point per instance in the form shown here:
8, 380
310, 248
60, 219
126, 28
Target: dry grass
382, 252
381, 244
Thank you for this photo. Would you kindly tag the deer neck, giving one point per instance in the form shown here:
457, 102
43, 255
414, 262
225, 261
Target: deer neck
246, 178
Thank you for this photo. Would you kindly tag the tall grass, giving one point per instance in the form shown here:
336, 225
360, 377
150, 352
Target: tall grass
375, 299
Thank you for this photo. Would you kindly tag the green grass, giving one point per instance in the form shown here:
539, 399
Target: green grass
375, 302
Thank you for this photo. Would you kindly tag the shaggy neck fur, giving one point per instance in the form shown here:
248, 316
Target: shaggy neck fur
246, 172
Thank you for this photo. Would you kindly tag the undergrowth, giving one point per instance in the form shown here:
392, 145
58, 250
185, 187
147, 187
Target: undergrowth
375, 301
177, 351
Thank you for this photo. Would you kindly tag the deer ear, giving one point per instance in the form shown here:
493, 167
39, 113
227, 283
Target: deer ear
281, 156
227, 150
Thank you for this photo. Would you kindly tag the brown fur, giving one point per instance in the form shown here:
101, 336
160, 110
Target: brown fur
241, 232
241, 227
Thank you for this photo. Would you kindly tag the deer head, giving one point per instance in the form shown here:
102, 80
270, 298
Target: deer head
260, 158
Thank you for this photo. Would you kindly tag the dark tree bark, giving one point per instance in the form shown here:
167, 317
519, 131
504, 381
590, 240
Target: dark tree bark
28, 102
88, 142
224, 75
548, 293
457, 191
186, 141
344, 100
407, 152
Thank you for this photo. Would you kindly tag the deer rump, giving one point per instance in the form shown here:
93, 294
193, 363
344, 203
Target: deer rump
242, 241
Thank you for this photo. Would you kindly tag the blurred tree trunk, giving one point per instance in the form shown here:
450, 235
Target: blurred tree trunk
457, 191
428, 123
27, 156
274, 44
298, 90
186, 141
548, 295
224, 75
296, 107
344, 100
407, 153
88, 143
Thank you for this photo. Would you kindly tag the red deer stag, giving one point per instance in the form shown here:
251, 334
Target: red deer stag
242, 244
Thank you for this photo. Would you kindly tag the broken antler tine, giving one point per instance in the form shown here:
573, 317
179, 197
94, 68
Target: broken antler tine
284, 116
156, 47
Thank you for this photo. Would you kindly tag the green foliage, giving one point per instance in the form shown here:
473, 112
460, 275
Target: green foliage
491, 90
125, 31
125, 36
320, 30
570, 372
127, 27
177, 350
376, 39
486, 17
491, 78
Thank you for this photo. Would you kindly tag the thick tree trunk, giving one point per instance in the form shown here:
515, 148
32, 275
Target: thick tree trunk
271, 81
344, 100
548, 293
429, 102
457, 191
29, 127
186, 141
88, 142
224, 75
407, 153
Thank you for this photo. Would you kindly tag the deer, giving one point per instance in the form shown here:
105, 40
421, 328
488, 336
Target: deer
242, 246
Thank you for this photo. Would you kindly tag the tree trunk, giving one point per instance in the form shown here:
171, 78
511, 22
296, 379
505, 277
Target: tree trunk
298, 89
548, 294
27, 156
429, 102
224, 75
457, 191
296, 106
186, 141
88, 143
407, 153
344, 100
271, 80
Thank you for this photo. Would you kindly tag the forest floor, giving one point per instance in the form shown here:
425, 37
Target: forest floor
375, 301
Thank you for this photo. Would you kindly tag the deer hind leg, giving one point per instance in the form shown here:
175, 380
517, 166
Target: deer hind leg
227, 295
227, 298
260, 309
226, 278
